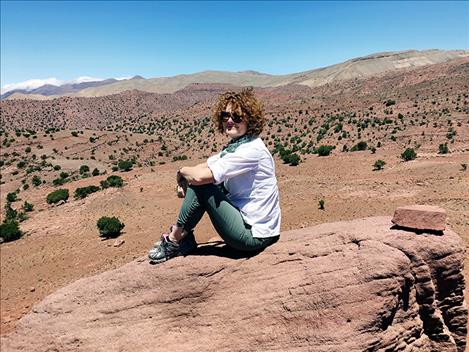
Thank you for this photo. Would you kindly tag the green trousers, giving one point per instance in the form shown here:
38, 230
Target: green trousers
225, 217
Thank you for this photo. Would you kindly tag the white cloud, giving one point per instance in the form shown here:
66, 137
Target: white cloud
85, 79
36, 83
122, 78
31, 84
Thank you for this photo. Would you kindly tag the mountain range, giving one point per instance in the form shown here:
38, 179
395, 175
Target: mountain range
357, 68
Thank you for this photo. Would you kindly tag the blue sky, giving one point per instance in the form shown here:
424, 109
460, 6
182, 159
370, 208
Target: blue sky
66, 40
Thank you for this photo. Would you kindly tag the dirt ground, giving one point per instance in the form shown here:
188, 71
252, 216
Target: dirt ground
62, 242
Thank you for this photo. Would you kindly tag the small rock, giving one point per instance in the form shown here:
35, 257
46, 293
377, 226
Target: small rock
32, 289
118, 243
420, 217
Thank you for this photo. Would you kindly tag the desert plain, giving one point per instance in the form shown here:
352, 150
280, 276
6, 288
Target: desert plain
422, 109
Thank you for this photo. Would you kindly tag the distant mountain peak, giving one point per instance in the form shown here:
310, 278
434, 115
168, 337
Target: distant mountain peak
252, 72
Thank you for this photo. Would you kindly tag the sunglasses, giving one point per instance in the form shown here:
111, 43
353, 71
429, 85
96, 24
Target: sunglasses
225, 116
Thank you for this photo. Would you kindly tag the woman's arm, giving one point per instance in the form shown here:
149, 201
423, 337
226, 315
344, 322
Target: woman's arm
197, 175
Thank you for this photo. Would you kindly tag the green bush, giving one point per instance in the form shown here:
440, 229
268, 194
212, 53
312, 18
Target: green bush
59, 181
83, 192
125, 165
294, 159
379, 164
290, 158
322, 204
109, 227
27, 206
443, 149
84, 169
21, 164
359, 146
112, 181
10, 213
74, 134
325, 150
57, 196
63, 174
57, 167
180, 157
36, 180
409, 154
10, 231
22, 216
95, 172
11, 197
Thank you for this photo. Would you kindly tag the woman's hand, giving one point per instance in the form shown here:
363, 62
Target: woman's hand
182, 185
193, 175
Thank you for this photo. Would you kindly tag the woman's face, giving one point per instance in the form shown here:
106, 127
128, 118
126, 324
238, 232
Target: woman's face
234, 129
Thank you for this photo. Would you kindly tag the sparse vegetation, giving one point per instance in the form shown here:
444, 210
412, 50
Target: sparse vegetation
379, 165
322, 204
359, 146
109, 226
325, 150
443, 148
125, 165
292, 159
84, 169
409, 154
27, 207
112, 181
83, 192
10, 231
10, 213
11, 197
36, 181
57, 196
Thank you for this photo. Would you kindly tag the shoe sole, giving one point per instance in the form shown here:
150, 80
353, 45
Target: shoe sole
162, 260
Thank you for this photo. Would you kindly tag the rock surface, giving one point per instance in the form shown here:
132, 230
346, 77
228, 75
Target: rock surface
347, 286
420, 217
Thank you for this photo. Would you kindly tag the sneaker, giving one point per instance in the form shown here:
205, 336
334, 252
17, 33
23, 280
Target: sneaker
166, 250
165, 235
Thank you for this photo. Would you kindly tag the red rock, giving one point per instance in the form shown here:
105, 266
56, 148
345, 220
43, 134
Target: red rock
347, 286
119, 242
420, 217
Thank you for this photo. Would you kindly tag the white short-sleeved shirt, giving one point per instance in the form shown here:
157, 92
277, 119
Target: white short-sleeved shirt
249, 176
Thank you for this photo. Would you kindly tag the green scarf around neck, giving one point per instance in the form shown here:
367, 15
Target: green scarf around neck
235, 143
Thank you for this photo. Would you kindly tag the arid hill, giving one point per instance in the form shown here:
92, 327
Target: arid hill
357, 68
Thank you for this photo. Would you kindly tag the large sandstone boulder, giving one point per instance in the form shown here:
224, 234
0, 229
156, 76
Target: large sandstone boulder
348, 286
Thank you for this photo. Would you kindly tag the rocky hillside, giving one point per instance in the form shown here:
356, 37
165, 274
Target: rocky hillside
349, 286
418, 108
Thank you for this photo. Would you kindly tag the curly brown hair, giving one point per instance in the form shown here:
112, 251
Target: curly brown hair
244, 103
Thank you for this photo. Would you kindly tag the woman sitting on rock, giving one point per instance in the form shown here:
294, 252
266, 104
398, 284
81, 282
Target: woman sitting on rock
237, 187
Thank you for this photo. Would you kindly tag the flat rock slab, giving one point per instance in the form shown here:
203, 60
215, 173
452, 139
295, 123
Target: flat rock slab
347, 286
420, 217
